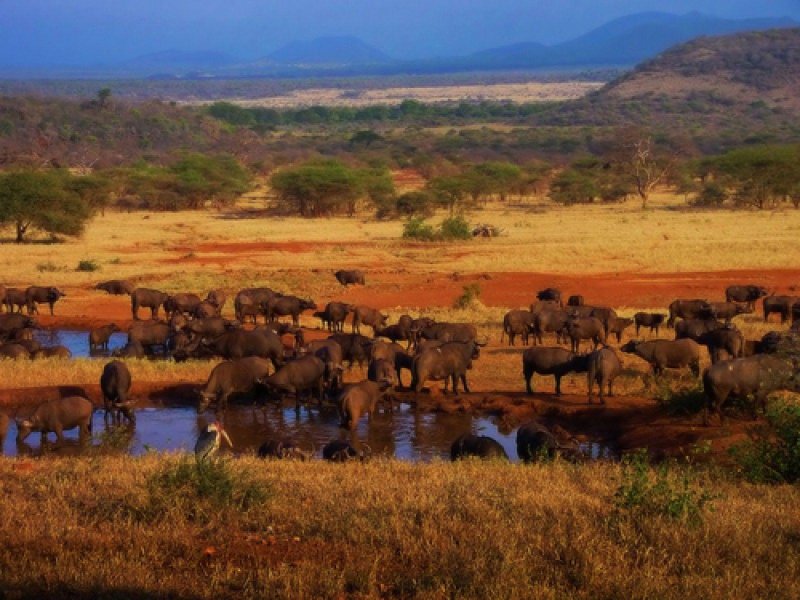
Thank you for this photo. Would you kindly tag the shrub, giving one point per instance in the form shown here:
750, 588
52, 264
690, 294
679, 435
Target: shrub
655, 492
470, 294
684, 401
773, 455
88, 266
417, 229
420, 203
204, 487
48, 267
712, 195
455, 228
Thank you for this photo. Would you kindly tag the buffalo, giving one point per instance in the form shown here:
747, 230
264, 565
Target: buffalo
285, 448
447, 332
115, 384
757, 375
667, 354
448, 362
575, 300
368, 316
342, 451
651, 320
330, 353
251, 302
617, 326
35, 295
11, 323
549, 361
98, 337
232, 377
56, 416
550, 321
238, 343
723, 339
15, 297
149, 334
688, 309
360, 399
468, 445
726, 311
603, 367
116, 287
517, 322
551, 294
334, 315
182, 304
355, 347
305, 374
147, 298
535, 441
350, 277
284, 306
694, 328
589, 328
779, 304
745, 293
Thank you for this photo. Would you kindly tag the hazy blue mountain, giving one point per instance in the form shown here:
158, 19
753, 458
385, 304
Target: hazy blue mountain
624, 41
344, 50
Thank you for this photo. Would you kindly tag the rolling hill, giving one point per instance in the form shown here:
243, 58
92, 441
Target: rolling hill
344, 50
761, 68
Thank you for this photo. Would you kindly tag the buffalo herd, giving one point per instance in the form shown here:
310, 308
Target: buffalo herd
259, 358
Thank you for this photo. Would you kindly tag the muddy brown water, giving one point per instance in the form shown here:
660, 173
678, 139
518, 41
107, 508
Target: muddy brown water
404, 433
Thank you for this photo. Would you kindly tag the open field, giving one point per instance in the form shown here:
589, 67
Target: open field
157, 527
109, 526
615, 255
533, 91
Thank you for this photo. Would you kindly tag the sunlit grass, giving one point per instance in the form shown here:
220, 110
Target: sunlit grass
314, 530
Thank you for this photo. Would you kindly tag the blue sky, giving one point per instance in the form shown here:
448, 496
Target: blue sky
80, 32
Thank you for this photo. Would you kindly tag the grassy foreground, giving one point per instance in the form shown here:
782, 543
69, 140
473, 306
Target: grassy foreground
156, 526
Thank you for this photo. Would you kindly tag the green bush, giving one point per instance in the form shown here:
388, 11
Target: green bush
205, 487
672, 493
417, 229
684, 401
452, 228
470, 294
88, 266
773, 455
48, 267
455, 228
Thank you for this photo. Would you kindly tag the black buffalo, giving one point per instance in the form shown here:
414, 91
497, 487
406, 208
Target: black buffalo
479, 446
350, 277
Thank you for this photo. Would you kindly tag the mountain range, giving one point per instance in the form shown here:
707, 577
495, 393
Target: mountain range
622, 42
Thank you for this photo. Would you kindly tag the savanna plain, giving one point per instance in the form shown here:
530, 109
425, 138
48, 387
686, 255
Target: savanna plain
160, 525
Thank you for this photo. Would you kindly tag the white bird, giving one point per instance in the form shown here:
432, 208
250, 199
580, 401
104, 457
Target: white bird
208, 442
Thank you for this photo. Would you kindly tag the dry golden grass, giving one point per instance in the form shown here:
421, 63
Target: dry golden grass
514, 92
186, 250
125, 527
83, 371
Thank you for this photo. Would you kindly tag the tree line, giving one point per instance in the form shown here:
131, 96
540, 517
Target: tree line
59, 202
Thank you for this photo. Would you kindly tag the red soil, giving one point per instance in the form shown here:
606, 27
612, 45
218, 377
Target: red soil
629, 421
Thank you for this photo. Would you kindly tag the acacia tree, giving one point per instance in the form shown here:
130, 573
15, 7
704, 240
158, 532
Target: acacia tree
760, 176
317, 188
43, 200
640, 163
